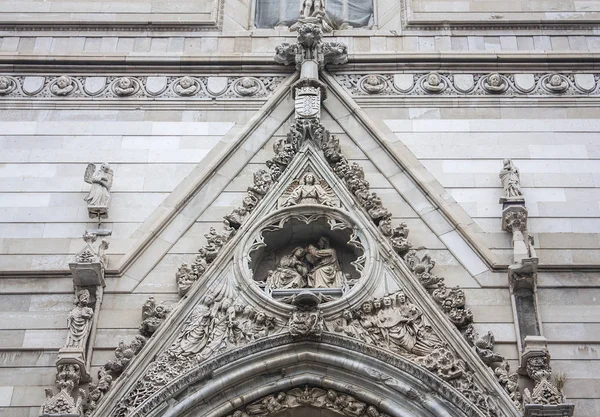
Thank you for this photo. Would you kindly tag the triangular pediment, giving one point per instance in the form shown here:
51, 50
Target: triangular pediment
227, 311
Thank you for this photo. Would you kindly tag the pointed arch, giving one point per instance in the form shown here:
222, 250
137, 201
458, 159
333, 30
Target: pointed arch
393, 385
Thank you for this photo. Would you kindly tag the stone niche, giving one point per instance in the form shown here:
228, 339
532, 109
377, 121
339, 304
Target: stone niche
321, 253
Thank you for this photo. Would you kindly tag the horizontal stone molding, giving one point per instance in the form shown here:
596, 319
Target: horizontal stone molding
136, 87
476, 84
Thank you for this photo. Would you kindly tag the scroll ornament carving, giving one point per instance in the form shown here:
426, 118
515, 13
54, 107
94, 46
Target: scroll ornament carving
451, 300
69, 399
313, 397
473, 84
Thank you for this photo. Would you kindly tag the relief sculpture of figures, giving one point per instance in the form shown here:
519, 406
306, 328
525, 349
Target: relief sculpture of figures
79, 321
291, 271
390, 322
316, 266
98, 198
309, 191
326, 272
511, 180
312, 8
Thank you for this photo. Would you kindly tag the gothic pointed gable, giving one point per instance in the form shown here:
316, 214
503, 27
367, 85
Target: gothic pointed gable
311, 263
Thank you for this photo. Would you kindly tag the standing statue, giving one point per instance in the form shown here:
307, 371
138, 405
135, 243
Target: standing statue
326, 272
79, 321
307, 191
511, 180
291, 271
99, 196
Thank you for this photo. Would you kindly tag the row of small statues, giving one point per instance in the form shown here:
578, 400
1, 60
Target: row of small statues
315, 266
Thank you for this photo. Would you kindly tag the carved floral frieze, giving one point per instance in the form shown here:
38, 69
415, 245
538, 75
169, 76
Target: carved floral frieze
471, 84
140, 87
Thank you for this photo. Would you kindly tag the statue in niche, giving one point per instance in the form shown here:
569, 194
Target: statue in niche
79, 321
99, 196
308, 191
511, 180
291, 272
326, 271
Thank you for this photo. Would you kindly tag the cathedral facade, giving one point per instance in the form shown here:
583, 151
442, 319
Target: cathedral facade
288, 208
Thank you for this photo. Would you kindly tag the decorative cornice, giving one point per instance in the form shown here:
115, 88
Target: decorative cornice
477, 84
165, 87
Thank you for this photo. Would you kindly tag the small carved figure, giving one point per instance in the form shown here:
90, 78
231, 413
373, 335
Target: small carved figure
433, 83
312, 8
307, 192
267, 405
186, 86
63, 86
494, 83
291, 271
556, 83
99, 196
326, 272
236, 217
247, 86
373, 84
79, 321
331, 149
511, 180
124, 86
196, 334
153, 315
124, 354
262, 183
6, 85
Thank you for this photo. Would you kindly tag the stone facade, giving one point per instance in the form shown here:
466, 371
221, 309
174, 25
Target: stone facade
197, 121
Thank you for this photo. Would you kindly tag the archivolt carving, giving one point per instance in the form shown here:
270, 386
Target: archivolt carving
314, 397
471, 84
115, 87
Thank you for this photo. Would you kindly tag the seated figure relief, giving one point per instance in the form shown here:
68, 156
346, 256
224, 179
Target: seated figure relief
315, 266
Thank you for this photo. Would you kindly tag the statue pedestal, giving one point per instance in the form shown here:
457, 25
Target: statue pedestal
95, 212
74, 355
514, 215
87, 274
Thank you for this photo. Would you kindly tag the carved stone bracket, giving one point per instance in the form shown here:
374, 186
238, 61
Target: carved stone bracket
68, 401
546, 398
90, 262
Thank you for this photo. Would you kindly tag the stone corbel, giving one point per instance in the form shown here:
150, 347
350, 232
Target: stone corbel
546, 399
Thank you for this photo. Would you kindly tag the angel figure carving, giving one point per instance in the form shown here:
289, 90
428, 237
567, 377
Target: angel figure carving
99, 196
308, 191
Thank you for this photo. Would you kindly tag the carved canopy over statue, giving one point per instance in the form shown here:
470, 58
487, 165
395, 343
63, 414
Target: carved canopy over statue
315, 266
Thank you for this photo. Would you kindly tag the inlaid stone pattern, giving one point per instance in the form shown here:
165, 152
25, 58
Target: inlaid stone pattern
138, 87
471, 84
